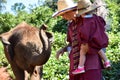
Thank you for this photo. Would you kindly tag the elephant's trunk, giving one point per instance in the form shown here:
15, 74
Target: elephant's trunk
43, 57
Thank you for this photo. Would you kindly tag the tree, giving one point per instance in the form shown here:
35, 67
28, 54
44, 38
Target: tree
2, 6
18, 7
51, 4
7, 21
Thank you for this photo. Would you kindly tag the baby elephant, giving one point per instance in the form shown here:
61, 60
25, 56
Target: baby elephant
27, 48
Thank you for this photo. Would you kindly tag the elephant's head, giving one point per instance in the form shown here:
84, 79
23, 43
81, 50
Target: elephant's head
31, 43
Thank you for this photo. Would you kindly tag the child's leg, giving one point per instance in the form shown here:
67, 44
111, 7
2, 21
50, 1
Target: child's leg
104, 57
83, 51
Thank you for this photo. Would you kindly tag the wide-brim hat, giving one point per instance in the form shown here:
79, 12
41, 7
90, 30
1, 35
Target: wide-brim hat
64, 6
85, 6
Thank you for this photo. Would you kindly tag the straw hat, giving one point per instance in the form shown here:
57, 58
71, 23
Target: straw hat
85, 6
64, 6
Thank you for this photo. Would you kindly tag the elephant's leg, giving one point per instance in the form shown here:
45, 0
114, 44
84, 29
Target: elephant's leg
26, 75
19, 73
37, 73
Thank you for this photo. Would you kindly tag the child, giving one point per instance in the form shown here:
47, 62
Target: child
86, 12
83, 51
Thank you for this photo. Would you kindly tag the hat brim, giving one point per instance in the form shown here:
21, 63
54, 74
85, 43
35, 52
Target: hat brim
58, 13
86, 10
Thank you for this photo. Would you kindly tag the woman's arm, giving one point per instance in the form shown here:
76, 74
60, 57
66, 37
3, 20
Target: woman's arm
61, 51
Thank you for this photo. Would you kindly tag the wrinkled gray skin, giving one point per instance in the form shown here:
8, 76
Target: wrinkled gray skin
27, 49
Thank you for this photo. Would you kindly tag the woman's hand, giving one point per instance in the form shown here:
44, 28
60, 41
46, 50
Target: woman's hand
59, 52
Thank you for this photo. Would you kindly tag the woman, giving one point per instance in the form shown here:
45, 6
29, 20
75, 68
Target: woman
93, 63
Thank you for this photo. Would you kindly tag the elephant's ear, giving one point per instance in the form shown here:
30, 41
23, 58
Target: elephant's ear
44, 27
7, 47
4, 41
50, 36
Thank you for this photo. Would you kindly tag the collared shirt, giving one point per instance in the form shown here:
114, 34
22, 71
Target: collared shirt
88, 16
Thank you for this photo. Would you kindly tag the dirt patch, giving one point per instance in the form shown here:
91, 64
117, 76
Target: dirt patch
4, 75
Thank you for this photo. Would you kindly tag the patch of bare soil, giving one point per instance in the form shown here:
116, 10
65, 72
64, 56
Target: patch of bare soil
4, 75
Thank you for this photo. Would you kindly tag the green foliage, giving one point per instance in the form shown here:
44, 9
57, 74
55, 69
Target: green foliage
41, 15
6, 22
59, 40
60, 25
51, 4
58, 69
113, 53
3, 61
114, 15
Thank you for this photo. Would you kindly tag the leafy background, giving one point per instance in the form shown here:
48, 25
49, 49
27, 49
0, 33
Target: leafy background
58, 69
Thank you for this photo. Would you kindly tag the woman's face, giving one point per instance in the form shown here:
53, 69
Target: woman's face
69, 15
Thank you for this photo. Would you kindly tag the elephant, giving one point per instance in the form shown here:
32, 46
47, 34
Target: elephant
27, 49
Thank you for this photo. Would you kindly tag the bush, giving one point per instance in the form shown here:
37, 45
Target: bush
57, 69
113, 53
